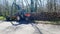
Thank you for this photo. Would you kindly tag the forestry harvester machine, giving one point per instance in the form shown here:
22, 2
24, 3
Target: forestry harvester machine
18, 13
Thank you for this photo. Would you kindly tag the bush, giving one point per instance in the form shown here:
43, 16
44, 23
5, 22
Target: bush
2, 18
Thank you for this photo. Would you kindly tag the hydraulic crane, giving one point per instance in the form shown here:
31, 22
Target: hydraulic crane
20, 12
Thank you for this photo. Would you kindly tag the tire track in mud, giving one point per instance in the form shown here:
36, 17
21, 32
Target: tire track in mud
36, 28
10, 29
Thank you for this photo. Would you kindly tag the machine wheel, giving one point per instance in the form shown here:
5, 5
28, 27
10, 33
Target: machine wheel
18, 18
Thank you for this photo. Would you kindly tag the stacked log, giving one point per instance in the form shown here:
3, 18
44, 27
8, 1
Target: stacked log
46, 16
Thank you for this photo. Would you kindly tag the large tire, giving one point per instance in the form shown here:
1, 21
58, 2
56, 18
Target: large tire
18, 18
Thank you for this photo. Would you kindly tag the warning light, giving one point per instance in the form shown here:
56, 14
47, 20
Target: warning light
28, 15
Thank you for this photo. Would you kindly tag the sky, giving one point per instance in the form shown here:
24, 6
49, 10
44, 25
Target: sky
11, 1
19, 2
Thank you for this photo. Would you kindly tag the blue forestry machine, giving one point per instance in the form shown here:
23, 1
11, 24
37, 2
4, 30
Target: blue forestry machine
21, 15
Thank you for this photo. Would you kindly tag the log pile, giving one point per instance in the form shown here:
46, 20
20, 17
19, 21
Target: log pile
46, 16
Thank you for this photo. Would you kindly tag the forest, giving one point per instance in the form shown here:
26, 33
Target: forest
43, 9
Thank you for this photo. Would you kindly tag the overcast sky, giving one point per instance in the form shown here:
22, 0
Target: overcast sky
10, 1
18, 1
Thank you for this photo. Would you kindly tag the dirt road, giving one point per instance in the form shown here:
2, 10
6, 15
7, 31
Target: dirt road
7, 28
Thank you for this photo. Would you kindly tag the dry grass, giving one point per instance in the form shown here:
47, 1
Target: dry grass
48, 22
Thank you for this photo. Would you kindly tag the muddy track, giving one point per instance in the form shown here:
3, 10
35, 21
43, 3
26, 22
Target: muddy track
36, 28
